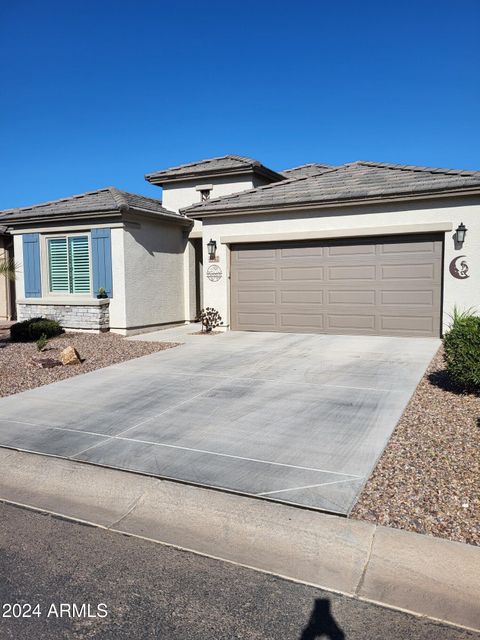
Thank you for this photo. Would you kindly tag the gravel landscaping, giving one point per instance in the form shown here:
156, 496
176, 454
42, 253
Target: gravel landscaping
428, 478
18, 372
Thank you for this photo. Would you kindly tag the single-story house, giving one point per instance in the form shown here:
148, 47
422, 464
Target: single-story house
362, 248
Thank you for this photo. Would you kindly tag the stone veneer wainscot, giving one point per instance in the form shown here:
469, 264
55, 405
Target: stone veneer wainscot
90, 315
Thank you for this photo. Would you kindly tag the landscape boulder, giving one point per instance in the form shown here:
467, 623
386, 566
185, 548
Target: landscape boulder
69, 356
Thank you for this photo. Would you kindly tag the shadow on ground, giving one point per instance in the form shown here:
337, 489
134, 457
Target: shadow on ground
443, 380
322, 624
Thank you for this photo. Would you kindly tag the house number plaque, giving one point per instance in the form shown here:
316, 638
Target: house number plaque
214, 273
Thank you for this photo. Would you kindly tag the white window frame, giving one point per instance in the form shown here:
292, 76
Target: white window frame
46, 292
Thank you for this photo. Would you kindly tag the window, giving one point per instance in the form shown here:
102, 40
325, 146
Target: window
69, 264
204, 194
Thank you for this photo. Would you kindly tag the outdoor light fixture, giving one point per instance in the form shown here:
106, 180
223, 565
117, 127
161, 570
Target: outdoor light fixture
460, 233
212, 249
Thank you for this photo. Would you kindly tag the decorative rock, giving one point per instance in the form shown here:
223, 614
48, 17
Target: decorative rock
69, 356
46, 363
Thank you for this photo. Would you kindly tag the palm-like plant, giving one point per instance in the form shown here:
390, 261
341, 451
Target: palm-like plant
7, 268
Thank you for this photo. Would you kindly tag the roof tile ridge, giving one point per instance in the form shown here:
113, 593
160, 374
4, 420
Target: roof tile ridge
182, 166
119, 199
309, 164
417, 168
138, 195
56, 201
244, 159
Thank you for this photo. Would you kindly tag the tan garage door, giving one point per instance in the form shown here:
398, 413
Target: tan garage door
377, 286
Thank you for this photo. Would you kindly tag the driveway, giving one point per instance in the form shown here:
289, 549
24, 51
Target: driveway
290, 417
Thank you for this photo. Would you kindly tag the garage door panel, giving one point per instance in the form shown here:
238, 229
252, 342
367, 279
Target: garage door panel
256, 296
257, 275
257, 253
351, 296
301, 321
302, 273
413, 323
301, 252
407, 247
301, 296
351, 250
264, 321
421, 297
408, 271
351, 321
352, 272
373, 286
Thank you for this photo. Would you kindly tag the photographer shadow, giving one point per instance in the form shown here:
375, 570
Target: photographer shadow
322, 624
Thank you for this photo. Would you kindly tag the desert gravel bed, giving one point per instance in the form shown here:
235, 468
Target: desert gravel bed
428, 478
17, 372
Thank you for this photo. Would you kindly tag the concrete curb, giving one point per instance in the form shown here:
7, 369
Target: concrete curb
401, 570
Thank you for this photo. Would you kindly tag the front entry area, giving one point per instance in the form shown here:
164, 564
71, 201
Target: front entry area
389, 285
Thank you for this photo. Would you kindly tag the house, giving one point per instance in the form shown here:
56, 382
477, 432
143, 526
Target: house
361, 248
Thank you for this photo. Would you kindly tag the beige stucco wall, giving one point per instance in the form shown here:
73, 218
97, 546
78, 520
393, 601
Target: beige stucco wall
18, 253
154, 273
118, 310
403, 217
182, 194
4, 283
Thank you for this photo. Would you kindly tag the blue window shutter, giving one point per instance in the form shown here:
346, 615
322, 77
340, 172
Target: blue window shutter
31, 265
102, 260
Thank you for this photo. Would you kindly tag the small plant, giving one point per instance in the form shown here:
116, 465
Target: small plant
210, 318
458, 316
42, 342
462, 350
33, 329
101, 293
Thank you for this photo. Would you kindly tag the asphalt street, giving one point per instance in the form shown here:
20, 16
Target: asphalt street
76, 581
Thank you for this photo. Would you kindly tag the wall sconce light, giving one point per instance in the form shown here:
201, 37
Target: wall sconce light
460, 233
212, 249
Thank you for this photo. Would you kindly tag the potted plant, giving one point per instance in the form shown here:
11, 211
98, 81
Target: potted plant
101, 293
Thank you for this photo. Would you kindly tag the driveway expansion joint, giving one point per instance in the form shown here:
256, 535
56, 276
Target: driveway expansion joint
367, 562
134, 505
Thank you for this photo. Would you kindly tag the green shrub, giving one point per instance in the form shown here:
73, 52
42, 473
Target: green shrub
33, 329
462, 351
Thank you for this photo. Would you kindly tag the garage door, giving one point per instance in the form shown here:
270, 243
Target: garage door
377, 286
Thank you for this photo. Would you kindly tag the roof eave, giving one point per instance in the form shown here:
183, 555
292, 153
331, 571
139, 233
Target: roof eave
183, 221
259, 170
14, 221
302, 206
27, 221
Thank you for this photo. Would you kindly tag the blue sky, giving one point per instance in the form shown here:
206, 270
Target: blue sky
97, 93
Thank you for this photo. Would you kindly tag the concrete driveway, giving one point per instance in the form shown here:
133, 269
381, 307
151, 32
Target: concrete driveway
290, 417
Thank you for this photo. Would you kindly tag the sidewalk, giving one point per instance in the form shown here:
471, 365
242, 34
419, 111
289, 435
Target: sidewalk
423, 575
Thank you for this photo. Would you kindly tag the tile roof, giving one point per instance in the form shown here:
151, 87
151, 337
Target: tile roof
101, 200
222, 165
354, 181
311, 169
